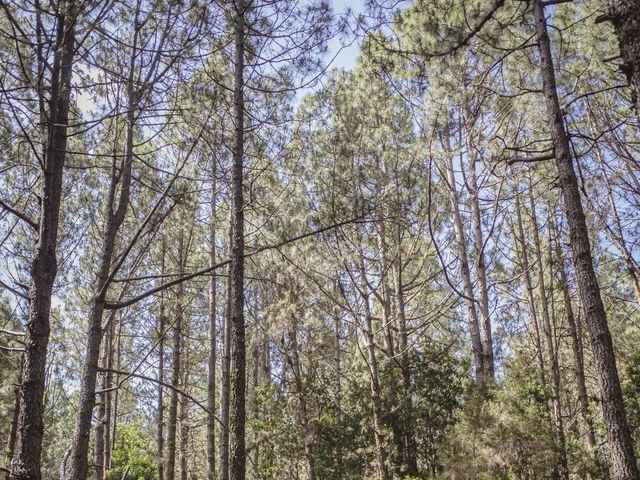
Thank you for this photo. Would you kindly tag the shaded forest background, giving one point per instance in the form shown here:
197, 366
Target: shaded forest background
221, 257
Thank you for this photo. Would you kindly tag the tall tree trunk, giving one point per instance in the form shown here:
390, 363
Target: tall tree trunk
575, 333
481, 268
102, 425
410, 460
533, 314
160, 400
211, 377
622, 454
374, 376
338, 385
115, 214
184, 403
27, 461
294, 361
463, 258
561, 468
162, 322
13, 428
224, 391
108, 395
237, 410
176, 357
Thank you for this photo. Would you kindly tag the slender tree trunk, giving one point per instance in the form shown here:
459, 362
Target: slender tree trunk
211, 377
115, 215
338, 393
410, 461
533, 314
102, 426
184, 405
108, 394
465, 272
13, 429
374, 376
575, 333
623, 459
237, 411
294, 361
225, 391
176, 357
27, 461
481, 270
160, 401
385, 299
561, 468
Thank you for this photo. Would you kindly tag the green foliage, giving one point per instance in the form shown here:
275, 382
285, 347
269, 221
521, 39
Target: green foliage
130, 459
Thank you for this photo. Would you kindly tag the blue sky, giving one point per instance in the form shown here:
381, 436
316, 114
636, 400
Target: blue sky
347, 48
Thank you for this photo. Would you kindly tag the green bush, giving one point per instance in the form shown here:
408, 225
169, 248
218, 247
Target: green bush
130, 460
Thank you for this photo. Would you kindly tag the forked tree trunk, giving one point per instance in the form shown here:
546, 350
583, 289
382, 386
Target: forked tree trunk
480, 262
623, 459
27, 460
463, 258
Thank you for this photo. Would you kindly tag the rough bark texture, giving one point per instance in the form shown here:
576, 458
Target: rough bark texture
576, 346
625, 16
27, 461
623, 460
237, 410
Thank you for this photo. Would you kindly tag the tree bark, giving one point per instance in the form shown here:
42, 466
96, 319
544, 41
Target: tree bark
294, 361
224, 391
410, 460
533, 314
625, 16
237, 410
481, 269
374, 377
211, 377
622, 454
160, 401
561, 469
176, 357
576, 346
115, 214
13, 429
27, 461
463, 258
